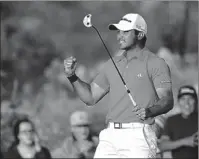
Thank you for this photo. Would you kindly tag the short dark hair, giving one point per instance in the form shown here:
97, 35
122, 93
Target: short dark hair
142, 42
16, 128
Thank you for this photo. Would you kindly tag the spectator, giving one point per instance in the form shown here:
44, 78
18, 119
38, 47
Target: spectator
81, 143
180, 135
27, 143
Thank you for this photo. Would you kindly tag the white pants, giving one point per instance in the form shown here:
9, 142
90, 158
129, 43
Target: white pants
127, 143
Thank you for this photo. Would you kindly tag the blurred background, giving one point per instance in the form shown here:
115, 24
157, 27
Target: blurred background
37, 36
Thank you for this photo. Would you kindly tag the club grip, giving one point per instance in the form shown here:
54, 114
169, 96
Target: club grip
132, 100
130, 96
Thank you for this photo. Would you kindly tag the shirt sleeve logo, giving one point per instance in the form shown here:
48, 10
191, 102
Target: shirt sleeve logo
165, 81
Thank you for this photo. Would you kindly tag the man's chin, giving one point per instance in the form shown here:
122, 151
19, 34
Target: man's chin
122, 47
186, 114
83, 138
125, 48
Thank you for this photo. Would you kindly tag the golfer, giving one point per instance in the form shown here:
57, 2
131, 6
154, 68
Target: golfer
129, 132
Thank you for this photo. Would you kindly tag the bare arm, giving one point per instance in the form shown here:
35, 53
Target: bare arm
167, 145
161, 77
90, 94
164, 104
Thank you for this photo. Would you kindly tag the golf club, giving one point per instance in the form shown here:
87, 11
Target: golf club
88, 24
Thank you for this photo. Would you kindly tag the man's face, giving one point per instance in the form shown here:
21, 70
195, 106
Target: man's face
187, 104
126, 39
81, 132
26, 133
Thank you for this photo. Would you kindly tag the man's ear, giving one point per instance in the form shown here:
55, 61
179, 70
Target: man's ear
140, 35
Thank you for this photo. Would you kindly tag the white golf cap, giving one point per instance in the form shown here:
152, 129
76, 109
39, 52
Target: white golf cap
130, 21
79, 118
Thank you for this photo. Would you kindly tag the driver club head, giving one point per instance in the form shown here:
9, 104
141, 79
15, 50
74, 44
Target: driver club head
87, 21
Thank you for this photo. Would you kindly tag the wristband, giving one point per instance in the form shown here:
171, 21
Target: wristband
73, 78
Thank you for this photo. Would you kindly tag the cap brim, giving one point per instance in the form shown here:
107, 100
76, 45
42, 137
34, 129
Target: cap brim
120, 27
113, 27
182, 94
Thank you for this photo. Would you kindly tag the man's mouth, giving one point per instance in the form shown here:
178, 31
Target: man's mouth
121, 41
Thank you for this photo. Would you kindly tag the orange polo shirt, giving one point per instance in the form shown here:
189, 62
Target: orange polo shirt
143, 72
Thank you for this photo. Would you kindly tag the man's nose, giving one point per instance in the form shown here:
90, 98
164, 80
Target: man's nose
187, 105
119, 35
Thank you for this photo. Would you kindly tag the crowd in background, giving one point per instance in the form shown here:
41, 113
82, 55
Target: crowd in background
177, 134
40, 114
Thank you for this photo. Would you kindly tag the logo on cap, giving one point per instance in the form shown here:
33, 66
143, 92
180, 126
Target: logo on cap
125, 19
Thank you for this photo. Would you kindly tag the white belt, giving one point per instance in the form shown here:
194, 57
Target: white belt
117, 125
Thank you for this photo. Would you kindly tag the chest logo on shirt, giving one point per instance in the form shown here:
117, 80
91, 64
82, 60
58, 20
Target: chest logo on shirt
139, 75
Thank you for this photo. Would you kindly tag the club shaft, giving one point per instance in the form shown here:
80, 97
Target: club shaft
128, 91
110, 55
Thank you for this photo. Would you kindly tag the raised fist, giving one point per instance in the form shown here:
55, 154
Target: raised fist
70, 65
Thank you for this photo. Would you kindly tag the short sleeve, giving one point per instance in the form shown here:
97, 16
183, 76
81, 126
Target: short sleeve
160, 73
101, 79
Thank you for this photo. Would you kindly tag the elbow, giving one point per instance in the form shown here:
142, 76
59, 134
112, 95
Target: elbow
169, 108
88, 99
170, 104
90, 102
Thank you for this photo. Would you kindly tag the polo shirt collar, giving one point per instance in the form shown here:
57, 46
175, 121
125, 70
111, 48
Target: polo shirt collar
129, 55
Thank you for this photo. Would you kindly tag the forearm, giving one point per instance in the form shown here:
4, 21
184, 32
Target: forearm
84, 92
162, 106
168, 145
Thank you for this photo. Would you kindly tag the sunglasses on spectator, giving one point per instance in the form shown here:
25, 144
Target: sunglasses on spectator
27, 131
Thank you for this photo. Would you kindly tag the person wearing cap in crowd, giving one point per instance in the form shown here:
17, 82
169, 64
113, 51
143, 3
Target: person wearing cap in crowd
130, 129
181, 130
81, 143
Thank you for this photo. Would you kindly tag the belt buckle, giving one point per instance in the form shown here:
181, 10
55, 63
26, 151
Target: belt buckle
117, 125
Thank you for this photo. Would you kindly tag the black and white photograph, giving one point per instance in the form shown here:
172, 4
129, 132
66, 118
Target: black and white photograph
99, 79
